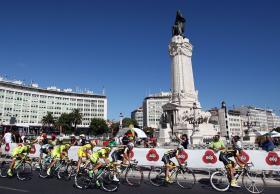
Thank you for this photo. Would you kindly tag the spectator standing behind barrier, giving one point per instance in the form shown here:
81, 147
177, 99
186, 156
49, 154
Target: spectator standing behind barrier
184, 141
268, 145
73, 140
217, 144
7, 137
82, 140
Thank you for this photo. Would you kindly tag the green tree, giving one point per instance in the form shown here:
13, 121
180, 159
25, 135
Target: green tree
48, 120
128, 121
277, 129
114, 128
98, 126
149, 131
76, 118
64, 122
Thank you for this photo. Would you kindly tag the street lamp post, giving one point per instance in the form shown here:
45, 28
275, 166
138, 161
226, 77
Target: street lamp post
194, 121
121, 118
226, 119
249, 124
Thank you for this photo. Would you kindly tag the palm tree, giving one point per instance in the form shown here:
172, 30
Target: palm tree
48, 120
76, 118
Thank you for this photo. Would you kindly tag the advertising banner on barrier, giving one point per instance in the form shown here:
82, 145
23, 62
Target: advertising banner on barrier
199, 159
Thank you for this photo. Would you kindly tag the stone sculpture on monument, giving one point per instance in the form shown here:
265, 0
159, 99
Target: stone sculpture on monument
183, 114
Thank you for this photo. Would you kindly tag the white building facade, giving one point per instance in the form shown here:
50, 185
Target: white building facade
28, 104
138, 116
265, 119
152, 109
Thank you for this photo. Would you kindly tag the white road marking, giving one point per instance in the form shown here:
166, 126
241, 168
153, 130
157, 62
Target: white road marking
13, 189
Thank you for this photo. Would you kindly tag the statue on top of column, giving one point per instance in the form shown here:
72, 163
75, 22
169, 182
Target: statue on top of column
179, 25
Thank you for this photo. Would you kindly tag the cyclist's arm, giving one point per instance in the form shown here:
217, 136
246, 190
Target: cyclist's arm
126, 155
239, 161
211, 146
177, 157
106, 160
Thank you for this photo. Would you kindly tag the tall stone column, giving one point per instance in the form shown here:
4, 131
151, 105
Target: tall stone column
183, 89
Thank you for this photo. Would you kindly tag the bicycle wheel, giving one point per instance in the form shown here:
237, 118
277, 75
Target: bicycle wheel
107, 182
4, 167
65, 172
43, 169
24, 171
134, 176
82, 179
156, 176
219, 181
185, 178
253, 182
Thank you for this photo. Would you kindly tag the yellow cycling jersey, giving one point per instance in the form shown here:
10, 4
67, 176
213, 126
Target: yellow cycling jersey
20, 150
101, 153
59, 149
85, 148
82, 151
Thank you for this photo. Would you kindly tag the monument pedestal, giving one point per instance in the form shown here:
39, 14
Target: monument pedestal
164, 135
252, 137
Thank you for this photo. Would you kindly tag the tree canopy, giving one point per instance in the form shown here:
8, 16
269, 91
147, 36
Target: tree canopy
98, 126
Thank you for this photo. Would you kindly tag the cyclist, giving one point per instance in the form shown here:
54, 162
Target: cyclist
167, 160
230, 164
58, 153
102, 153
84, 152
46, 145
123, 153
18, 154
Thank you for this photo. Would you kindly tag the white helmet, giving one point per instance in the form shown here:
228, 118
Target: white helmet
180, 147
130, 145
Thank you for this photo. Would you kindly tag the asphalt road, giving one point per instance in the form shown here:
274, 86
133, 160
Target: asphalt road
54, 186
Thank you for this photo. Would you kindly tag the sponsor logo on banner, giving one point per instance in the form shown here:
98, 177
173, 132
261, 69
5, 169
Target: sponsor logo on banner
182, 157
152, 155
244, 157
209, 157
272, 158
7, 147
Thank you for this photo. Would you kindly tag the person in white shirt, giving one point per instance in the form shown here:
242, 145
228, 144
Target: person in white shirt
8, 137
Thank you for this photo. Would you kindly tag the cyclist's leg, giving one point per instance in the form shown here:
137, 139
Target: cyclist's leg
80, 159
12, 165
166, 162
55, 158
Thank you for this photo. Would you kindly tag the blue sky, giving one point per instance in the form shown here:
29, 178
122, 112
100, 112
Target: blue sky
123, 46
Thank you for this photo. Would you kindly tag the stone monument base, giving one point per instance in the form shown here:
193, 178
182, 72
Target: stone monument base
164, 135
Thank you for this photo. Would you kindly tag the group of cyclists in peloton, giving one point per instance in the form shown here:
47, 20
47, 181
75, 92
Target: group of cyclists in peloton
86, 154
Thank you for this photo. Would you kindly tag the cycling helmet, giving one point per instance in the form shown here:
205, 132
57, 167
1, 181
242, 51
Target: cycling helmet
130, 145
28, 147
67, 146
180, 147
108, 149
